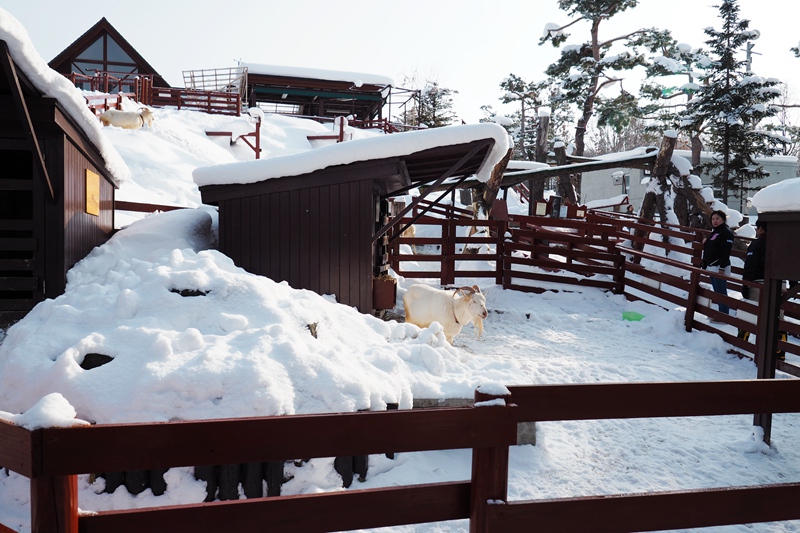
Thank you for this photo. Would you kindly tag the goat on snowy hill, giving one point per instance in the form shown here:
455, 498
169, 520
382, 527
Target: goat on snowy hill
425, 305
130, 120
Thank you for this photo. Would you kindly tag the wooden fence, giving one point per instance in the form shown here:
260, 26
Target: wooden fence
53, 457
138, 86
656, 263
213, 102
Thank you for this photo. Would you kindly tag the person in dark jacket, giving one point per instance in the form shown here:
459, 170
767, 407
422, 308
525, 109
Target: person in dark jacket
717, 254
754, 261
754, 271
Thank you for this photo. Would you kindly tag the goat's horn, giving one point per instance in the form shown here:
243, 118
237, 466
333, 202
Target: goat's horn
469, 290
476, 288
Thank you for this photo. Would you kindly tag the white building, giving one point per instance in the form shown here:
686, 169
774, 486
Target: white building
603, 184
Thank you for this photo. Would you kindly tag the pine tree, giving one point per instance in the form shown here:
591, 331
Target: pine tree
436, 105
665, 103
529, 97
731, 103
587, 69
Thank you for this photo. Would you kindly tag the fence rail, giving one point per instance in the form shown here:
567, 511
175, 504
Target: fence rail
52, 457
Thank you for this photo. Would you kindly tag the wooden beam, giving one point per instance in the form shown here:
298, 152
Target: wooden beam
27, 124
512, 178
450, 187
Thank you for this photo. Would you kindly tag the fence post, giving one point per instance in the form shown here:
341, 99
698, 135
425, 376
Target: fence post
619, 276
500, 255
448, 251
767, 342
691, 300
54, 504
489, 475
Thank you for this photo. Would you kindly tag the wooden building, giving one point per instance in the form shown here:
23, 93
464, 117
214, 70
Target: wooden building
102, 49
56, 194
327, 230
319, 93
781, 263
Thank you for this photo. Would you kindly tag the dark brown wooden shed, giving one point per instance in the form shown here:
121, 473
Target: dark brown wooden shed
56, 194
317, 92
782, 262
327, 230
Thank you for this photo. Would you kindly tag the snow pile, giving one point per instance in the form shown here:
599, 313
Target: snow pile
233, 345
781, 196
51, 411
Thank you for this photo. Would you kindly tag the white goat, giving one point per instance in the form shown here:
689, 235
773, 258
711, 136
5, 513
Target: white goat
425, 305
410, 232
130, 120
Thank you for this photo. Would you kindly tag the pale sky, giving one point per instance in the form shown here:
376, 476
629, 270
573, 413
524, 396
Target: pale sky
466, 45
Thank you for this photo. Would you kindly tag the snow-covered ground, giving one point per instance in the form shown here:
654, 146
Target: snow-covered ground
244, 349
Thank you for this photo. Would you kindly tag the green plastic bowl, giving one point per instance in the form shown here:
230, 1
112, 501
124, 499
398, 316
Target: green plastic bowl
632, 316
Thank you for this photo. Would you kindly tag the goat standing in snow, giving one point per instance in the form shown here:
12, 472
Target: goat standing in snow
130, 120
425, 305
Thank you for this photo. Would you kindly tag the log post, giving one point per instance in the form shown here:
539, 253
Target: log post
565, 187
536, 186
492, 186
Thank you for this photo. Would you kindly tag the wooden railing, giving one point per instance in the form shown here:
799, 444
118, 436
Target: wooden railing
213, 102
53, 457
623, 254
567, 251
453, 252
651, 511
137, 85
98, 103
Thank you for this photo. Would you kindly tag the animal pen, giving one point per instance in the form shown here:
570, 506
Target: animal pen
548, 254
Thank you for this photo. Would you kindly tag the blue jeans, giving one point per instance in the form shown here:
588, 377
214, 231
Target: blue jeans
721, 286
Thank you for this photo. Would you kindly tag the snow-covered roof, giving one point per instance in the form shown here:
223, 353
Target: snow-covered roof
788, 159
620, 199
781, 196
355, 78
55, 85
524, 165
367, 149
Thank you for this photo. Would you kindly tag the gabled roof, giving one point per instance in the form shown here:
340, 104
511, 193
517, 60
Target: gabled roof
63, 61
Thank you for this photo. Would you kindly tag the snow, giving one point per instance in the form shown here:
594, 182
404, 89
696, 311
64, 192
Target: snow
358, 79
365, 149
781, 196
240, 345
53, 410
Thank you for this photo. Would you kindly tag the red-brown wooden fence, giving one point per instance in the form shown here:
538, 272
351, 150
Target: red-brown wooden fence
214, 102
53, 457
643, 260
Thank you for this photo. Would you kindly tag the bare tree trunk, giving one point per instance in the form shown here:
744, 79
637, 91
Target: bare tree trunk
566, 186
536, 186
697, 147
486, 193
654, 199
